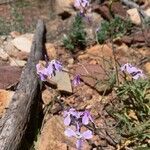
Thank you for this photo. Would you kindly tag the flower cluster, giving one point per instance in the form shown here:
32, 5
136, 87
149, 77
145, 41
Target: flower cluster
82, 5
49, 69
78, 118
133, 71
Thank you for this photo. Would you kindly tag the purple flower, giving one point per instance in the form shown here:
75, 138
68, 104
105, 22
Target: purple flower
68, 114
80, 136
42, 72
133, 71
86, 118
49, 69
81, 5
76, 81
57, 65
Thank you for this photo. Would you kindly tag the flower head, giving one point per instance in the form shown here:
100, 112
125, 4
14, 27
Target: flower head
68, 115
57, 65
81, 5
41, 71
80, 136
76, 81
49, 69
85, 135
133, 71
78, 119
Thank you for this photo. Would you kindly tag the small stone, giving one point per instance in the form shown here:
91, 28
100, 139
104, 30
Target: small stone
93, 62
14, 34
147, 12
62, 80
17, 62
9, 75
88, 97
147, 67
100, 51
3, 55
5, 98
51, 51
71, 61
20, 55
23, 42
96, 79
9, 48
83, 56
47, 96
61, 6
56, 108
134, 16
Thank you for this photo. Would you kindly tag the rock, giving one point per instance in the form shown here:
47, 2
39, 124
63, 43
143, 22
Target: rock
100, 51
147, 67
62, 80
3, 55
103, 10
126, 39
61, 6
71, 61
83, 56
51, 51
56, 108
9, 75
117, 8
52, 136
134, 16
147, 12
14, 34
20, 55
95, 76
23, 42
17, 62
9, 48
5, 98
47, 96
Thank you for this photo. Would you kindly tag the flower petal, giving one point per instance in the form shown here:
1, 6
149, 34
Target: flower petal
85, 119
87, 134
69, 132
79, 144
67, 120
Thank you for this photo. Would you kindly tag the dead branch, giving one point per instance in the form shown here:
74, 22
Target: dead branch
13, 124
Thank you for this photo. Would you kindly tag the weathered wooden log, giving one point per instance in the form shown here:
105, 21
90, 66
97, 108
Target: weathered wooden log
14, 123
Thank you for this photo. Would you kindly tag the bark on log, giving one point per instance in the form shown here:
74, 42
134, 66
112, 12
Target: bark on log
13, 124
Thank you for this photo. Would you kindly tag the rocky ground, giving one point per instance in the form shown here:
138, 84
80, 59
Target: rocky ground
97, 60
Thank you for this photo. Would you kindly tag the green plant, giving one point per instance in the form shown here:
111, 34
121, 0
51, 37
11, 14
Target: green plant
17, 22
117, 27
5, 27
133, 112
76, 37
147, 22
